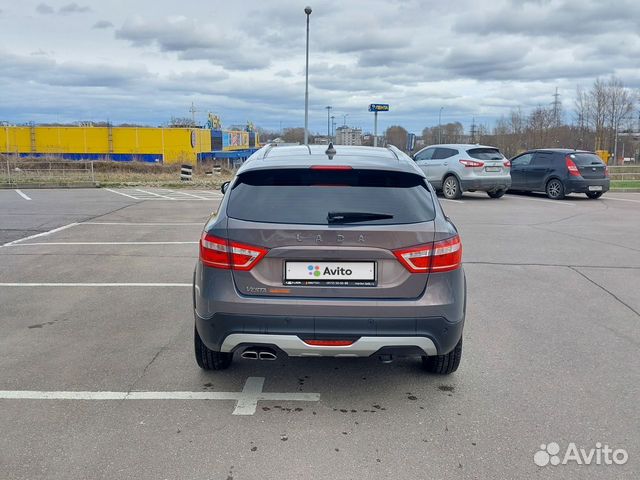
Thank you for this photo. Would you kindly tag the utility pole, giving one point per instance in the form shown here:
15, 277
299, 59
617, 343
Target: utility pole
307, 11
473, 130
556, 109
328, 107
333, 125
440, 126
193, 113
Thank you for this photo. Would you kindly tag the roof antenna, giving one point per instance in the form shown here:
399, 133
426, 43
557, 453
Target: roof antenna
330, 151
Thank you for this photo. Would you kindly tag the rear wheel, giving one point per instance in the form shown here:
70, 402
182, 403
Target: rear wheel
594, 195
208, 359
444, 364
451, 188
497, 193
555, 189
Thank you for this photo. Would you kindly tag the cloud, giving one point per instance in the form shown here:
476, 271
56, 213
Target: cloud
73, 8
102, 24
45, 9
192, 40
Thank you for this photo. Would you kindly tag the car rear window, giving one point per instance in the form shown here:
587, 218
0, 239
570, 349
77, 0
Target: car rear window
485, 153
306, 196
582, 159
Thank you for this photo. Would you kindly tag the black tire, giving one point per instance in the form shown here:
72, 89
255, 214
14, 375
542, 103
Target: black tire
594, 195
497, 193
208, 359
555, 189
451, 188
444, 364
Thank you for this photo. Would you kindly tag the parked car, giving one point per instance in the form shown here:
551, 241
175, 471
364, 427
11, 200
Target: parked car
341, 253
560, 171
454, 169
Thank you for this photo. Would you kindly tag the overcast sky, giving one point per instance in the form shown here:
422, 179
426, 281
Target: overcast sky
146, 60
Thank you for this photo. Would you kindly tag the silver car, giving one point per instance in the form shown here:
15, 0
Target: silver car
456, 168
340, 252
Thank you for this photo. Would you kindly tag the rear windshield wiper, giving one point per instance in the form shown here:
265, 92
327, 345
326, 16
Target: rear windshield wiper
350, 217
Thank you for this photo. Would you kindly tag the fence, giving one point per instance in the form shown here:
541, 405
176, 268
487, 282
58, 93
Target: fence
20, 172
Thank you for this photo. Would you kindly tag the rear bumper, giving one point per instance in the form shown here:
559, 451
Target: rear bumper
486, 183
424, 336
582, 185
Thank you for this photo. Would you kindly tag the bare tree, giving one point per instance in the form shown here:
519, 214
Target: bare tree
620, 103
597, 112
397, 135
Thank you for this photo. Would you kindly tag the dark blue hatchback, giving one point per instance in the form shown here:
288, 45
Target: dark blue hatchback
558, 172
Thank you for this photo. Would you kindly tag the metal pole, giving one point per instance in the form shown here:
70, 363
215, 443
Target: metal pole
375, 129
440, 125
307, 10
328, 122
93, 177
615, 145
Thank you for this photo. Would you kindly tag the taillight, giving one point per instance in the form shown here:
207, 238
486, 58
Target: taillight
442, 256
571, 166
219, 252
507, 164
606, 170
447, 255
471, 163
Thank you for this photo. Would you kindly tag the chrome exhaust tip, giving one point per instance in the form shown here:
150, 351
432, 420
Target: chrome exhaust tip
249, 354
266, 355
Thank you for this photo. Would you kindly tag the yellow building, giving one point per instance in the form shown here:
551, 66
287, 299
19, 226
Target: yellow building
166, 145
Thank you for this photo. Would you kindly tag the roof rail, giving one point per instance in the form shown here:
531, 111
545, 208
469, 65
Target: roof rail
395, 150
267, 148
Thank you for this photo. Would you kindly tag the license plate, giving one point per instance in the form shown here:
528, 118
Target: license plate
330, 273
492, 169
595, 188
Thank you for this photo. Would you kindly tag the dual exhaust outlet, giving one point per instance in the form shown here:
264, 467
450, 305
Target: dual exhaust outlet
259, 353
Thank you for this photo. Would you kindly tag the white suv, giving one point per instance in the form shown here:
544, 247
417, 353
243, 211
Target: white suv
457, 168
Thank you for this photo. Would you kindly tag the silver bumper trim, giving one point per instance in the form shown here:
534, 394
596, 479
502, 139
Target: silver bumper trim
295, 347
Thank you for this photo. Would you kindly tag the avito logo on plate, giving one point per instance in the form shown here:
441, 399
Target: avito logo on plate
317, 271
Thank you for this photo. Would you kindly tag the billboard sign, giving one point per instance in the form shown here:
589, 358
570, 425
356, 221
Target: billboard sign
379, 107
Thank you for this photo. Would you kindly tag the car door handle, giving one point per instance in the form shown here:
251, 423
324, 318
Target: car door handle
445, 163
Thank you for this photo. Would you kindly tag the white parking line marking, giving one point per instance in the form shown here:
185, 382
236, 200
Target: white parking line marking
22, 194
37, 235
451, 200
121, 193
555, 202
22, 284
621, 199
176, 224
97, 243
246, 401
176, 194
153, 193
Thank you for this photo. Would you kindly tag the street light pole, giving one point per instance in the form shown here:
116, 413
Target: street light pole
440, 126
344, 119
328, 107
307, 11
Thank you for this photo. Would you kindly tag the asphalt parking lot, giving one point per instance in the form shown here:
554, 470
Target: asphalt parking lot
97, 328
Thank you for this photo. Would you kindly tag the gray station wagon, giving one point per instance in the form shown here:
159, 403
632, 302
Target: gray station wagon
339, 252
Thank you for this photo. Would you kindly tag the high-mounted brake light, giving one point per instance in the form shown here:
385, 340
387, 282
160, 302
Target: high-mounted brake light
226, 254
442, 256
329, 343
331, 167
471, 163
571, 166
